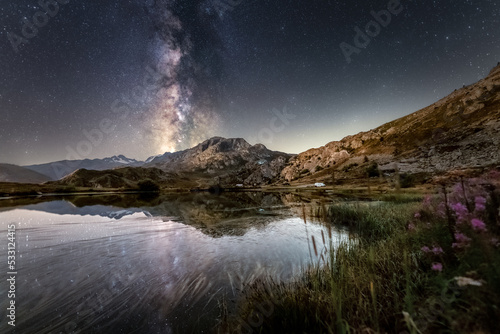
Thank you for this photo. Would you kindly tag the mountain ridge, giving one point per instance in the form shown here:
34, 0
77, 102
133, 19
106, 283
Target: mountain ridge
19, 174
217, 161
461, 130
58, 169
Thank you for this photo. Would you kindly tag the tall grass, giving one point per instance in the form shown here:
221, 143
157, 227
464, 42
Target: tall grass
404, 273
371, 221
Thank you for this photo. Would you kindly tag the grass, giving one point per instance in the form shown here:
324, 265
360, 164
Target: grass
387, 281
402, 197
370, 221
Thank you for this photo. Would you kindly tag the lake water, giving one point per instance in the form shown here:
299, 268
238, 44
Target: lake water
129, 264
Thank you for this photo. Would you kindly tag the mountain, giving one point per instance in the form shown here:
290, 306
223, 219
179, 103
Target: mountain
64, 207
228, 161
126, 177
58, 169
215, 161
459, 131
14, 173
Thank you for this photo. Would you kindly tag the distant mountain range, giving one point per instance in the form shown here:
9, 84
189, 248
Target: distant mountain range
460, 131
58, 169
14, 173
216, 161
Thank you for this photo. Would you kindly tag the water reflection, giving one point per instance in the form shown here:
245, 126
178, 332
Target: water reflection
122, 263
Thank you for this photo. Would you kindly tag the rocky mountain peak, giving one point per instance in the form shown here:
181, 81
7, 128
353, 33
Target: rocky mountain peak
231, 160
220, 144
495, 70
259, 147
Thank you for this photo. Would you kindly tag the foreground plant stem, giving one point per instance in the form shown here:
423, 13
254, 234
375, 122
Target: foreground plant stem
449, 217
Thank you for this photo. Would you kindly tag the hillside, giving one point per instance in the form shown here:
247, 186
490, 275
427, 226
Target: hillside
127, 177
461, 130
14, 173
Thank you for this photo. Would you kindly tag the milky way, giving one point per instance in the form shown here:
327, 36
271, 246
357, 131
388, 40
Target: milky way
182, 113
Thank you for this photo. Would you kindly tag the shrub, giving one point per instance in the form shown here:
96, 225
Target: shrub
349, 167
407, 180
372, 170
148, 185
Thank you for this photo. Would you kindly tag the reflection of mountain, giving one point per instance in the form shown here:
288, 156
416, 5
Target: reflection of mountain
221, 214
228, 213
63, 207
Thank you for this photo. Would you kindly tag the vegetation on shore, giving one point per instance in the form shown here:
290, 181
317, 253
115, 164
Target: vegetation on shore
415, 267
10, 189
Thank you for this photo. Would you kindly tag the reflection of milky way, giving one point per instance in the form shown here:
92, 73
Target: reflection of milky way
178, 118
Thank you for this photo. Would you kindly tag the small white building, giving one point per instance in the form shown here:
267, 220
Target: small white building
319, 185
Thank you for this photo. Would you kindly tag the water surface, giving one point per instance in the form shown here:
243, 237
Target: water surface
111, 264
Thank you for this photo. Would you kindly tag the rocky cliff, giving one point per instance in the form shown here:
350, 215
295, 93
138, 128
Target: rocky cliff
461, 130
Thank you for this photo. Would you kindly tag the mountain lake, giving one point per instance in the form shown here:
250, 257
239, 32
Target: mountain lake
151, 264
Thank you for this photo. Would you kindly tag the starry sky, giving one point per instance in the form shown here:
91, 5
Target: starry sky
91, 79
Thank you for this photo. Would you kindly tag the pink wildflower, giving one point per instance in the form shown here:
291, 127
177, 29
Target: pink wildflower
436, 266
480, 203
437, 250
462, 240
495, 242
417, 215
478, 224
480, 207
460, 211
458, 189
494, 174
480, 199
411, 227
427, 200
441, 210
461, 237
425, 249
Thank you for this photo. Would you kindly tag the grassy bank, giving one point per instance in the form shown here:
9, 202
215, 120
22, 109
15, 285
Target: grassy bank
416, 267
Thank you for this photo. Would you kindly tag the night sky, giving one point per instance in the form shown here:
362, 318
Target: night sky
102, 78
